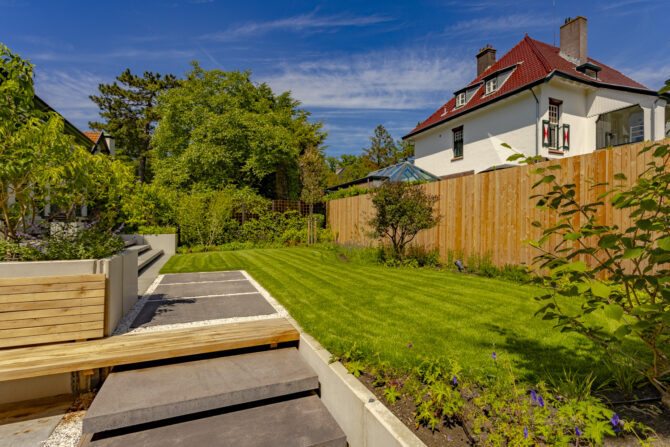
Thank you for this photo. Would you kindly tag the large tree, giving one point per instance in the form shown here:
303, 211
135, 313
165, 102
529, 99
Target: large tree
220, 128
128, 110
382, 150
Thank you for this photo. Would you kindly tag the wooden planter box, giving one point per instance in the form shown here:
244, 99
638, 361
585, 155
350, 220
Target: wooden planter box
48, 309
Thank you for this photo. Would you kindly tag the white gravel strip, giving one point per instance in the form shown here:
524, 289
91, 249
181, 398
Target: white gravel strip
202, 282
124, 325
69, 430
221, 295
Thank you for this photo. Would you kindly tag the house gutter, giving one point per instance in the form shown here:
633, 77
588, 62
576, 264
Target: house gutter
537, 120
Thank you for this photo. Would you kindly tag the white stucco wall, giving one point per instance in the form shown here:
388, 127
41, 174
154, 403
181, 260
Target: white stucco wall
510, 121
513, 121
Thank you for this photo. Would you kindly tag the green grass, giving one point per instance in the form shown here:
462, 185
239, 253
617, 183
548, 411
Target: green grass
383, 310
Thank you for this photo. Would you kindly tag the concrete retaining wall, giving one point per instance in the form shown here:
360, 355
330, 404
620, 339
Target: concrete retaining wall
165, 242
366, 421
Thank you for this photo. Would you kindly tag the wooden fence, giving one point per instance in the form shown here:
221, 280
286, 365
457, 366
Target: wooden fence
51, 309
242, 213
491, 212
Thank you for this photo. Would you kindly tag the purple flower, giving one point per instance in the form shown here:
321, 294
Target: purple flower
540, 401
410, 345
455, 380
494, 356
525, 433
615, 420
578, 432
533, 395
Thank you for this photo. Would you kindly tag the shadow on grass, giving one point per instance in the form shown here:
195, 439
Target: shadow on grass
534, 359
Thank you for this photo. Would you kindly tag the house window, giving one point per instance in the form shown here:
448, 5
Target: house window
553, 126
458, 142
460, 99
491, 85
621, 126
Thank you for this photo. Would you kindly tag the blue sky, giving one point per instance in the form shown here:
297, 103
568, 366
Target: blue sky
353, 64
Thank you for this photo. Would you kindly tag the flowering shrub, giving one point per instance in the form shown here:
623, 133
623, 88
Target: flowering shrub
498, 410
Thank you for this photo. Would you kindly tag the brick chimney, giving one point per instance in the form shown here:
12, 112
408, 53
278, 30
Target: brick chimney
485, 58
573, 40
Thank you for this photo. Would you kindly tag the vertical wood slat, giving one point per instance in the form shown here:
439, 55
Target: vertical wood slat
492, 213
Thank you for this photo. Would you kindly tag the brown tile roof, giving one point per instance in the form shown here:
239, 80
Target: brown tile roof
93, 135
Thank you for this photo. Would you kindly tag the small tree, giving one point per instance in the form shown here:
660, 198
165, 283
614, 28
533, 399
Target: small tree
402, 211
382, 150
626, 276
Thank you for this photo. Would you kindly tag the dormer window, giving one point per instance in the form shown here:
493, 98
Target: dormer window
491, 85
589, 69
460, 99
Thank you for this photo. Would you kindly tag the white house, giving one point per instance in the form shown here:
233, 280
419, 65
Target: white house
540, 100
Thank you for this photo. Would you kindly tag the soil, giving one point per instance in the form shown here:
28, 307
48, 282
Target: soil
651, 413
403, 409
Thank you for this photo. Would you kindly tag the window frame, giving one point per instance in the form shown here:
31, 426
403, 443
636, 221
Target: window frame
460, 97
458, 131
491, 86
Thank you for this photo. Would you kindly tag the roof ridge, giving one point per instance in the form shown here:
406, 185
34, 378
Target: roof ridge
537, 53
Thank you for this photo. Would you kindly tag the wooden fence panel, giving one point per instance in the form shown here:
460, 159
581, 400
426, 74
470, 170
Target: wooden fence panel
51, 309
492, 213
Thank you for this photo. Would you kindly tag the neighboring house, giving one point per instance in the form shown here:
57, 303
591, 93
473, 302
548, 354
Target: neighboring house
405, 171
540, 100
102, 142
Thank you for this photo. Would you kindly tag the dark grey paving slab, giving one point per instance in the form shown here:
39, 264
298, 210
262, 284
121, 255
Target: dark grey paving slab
152, 394
202, 276
202, 289
302, 422
188, 310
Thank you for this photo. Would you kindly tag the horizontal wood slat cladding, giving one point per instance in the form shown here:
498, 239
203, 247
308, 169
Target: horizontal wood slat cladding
491, 212
51, 309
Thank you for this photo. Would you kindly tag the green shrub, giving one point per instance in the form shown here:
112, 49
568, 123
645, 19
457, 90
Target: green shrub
149, 205
92, 242
347, 192
142, 229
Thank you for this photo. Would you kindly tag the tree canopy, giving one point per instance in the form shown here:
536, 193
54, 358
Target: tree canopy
384, 151
128, 108
220, 128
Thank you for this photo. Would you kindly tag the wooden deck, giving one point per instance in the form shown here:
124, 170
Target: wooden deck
19, 363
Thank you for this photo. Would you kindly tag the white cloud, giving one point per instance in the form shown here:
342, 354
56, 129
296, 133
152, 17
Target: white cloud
653, 77
67, 93
379, 80
499, 24
303, 22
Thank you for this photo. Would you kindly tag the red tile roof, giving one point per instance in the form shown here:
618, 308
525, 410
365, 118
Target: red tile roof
94, 136
534, 62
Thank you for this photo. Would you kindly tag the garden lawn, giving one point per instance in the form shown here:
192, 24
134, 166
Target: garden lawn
406, 314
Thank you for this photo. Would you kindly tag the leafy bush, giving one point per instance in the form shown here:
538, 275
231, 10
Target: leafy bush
401, 211
149, 206
92, 242
346, 192
627, 274
142, 229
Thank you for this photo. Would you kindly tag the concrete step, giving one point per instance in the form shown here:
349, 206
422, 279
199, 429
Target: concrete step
303, 422
152, 394
138, 248
147, 257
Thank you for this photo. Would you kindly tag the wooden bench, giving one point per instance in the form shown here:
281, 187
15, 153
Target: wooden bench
48, 309
36, 361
